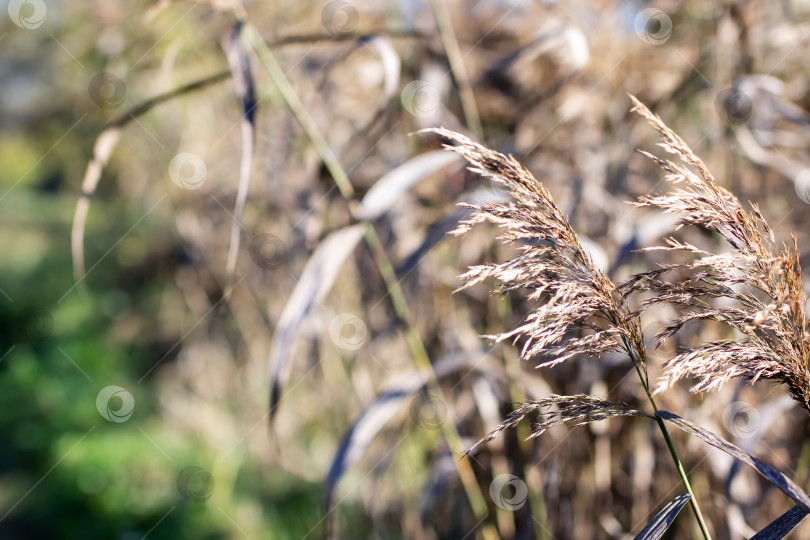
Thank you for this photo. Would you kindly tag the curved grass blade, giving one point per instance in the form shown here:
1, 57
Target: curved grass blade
440, 228
245, 87
103, 149
379, 412
315, 282
774, 476
391, 64
656, 528
387, 190
782, 525
555, 410
361, 434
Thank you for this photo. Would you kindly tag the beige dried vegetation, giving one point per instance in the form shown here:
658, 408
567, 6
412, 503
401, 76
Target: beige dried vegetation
764, 285
755, 288
761, 281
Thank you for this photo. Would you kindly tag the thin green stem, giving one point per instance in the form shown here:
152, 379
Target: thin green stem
456, 61
415, 344
693, 503
425, 368
301, 113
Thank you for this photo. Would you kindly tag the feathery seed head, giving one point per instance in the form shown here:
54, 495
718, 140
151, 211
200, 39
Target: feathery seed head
553, 267
763, 281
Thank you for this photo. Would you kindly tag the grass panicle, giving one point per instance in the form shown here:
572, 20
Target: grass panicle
570, 290
558, 273
576, 410
762, 282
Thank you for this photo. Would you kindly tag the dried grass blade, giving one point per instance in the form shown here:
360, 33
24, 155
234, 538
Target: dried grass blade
102, 150
577, 410
374, 417
245, 87
387, 190
391, 64
774, 476
437, 230
316, 280
656, 528
782, 525
360, 435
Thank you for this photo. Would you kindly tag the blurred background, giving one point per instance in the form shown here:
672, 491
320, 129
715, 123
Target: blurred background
159, 381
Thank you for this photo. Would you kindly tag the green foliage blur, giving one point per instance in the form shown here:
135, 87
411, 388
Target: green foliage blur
65, 470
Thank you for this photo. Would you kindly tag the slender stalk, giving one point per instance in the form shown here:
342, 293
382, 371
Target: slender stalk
415, 344
537, 499
693, 503
424, 366
456, 60
301, 113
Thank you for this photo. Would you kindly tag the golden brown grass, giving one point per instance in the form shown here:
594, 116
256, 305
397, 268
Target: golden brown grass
755, 289
762, 282
574, 410
553, 266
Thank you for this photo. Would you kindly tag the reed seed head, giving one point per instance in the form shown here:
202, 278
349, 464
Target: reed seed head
762, 280
558, 273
